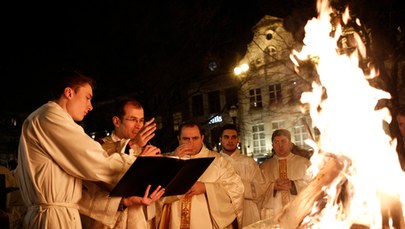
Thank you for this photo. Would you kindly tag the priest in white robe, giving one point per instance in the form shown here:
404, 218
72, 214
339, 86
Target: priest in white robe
249, 171
285, 175
214, 201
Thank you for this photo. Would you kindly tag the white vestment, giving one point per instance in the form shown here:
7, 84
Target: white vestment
99, 206
296, 172
218, 207
54, 156
253, 181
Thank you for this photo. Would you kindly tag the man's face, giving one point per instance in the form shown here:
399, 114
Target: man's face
401, 124
282, 146
131, 123
229, 141
79, 101
192, 136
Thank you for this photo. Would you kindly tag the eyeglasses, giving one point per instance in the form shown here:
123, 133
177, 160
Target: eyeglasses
135, 120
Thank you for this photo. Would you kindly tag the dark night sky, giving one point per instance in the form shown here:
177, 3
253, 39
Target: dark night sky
124, 44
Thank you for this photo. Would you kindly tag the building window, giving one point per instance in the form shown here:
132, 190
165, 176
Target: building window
177, 119
197, 105
269, 34
231, 96
275, 93
297, 88
277, 125
214, 102
300, 132
259, 140
255, 96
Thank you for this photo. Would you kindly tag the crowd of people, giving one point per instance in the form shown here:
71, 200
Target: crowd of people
64, 176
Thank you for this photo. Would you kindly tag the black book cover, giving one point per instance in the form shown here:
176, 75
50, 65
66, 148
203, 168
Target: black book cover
176, 175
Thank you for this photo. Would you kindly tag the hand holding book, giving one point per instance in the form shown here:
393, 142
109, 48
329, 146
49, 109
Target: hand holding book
146, 199
175, 175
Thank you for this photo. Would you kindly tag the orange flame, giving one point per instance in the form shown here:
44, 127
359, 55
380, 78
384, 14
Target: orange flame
349, 124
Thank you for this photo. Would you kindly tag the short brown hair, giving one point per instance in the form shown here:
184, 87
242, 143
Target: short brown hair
119, 108
229, 127
70, 78
190, 123
281, 132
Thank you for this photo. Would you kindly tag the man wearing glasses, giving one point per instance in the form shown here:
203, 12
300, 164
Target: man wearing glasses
130, 128
130, 136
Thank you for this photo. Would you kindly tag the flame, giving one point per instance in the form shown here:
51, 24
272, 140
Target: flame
350, 126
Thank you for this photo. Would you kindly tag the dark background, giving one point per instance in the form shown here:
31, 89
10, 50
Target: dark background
136, 47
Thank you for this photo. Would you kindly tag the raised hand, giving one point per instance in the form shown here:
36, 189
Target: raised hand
145, 134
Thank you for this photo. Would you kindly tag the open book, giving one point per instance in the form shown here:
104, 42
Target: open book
175, 174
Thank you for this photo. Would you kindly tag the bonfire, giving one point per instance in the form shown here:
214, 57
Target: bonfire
357, 179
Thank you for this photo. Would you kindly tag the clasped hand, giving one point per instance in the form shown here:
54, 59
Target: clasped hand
282, 184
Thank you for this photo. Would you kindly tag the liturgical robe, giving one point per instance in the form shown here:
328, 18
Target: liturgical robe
217, 208
54, 156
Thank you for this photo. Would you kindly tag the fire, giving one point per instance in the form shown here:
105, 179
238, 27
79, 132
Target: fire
351, 128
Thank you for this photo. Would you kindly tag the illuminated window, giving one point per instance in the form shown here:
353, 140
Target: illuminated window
300, 132
177, 119
277, 125
275, 93
255, 96
259, 139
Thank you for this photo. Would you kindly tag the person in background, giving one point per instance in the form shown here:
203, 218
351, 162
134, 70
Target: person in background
249, 171
8, 183
15, 207
285, 175
130, 136
55, 155
215, 200
12, 165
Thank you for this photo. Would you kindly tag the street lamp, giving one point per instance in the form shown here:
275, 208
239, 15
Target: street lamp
241, 69
233, 112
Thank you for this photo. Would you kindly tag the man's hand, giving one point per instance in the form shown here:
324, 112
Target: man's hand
184, 149
151, 150
146, 199
282, 184
196, 189
145, 134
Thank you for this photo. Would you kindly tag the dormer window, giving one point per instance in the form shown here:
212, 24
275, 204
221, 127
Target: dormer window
269, 34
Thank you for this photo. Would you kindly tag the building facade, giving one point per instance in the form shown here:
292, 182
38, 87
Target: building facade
270, 93
260, 99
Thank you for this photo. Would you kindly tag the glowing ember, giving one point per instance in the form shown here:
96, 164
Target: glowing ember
350, 127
